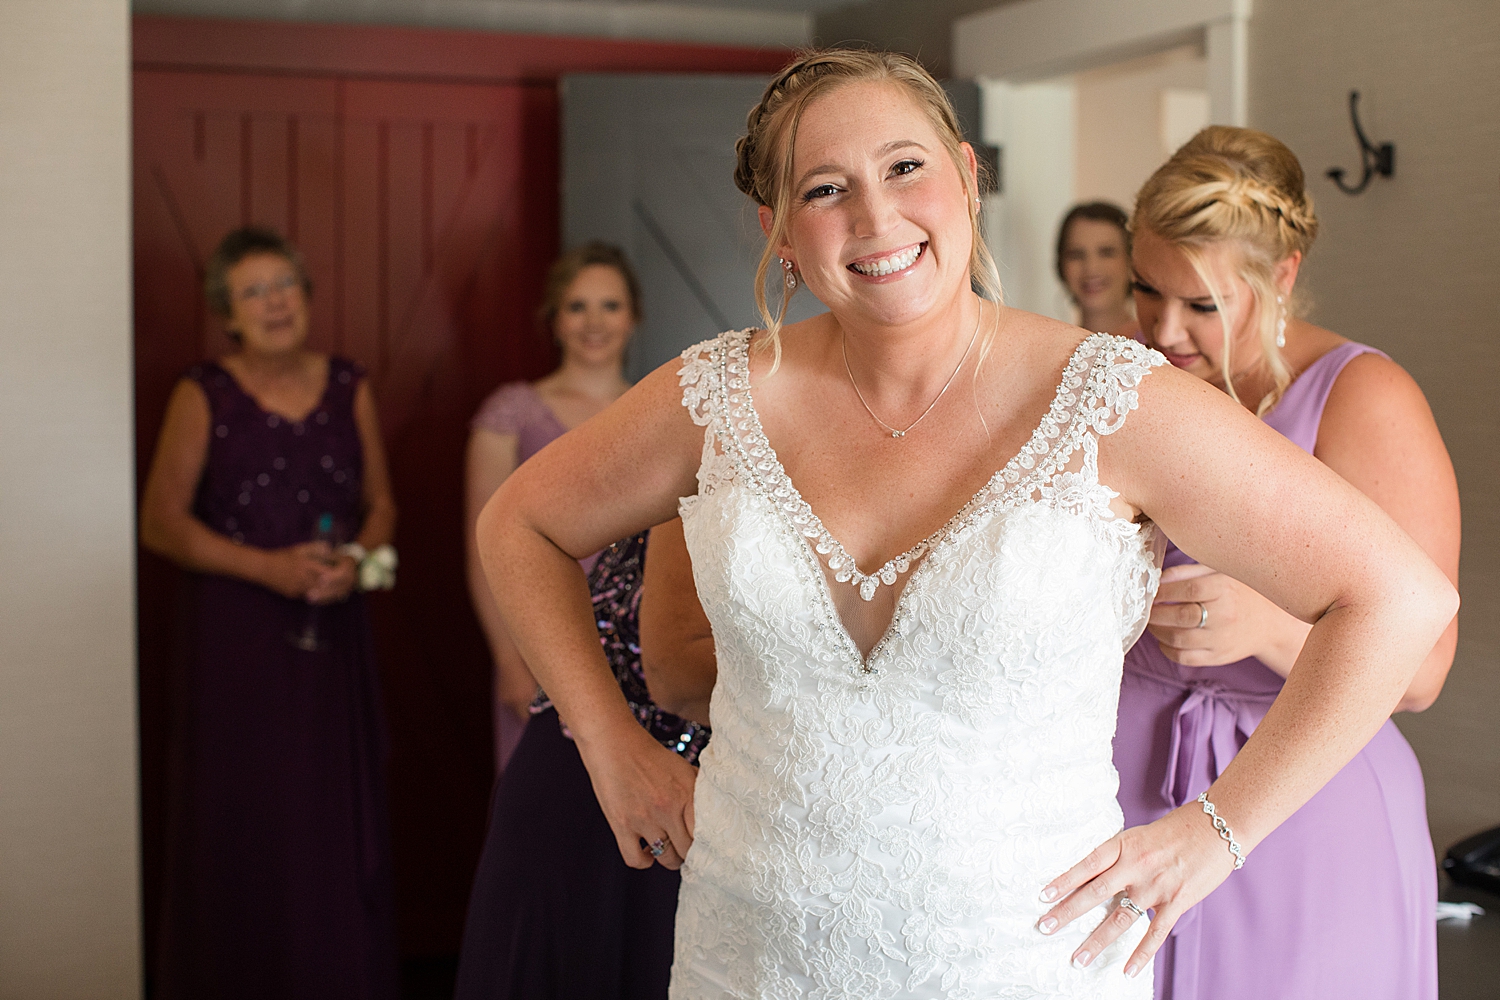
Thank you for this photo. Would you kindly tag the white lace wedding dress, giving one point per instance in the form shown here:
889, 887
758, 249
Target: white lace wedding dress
882, 827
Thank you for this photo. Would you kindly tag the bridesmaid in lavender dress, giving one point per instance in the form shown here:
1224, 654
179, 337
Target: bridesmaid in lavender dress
278, 873
1338, 902
592, 305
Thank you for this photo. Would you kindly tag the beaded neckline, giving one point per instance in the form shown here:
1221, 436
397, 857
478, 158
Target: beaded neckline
1044, 453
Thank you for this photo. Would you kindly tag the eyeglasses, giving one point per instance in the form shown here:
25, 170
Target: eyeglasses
260, 290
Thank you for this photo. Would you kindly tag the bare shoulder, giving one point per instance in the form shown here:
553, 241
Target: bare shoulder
1045, 344
188, 402
1375, 405
1373, 383
667, 400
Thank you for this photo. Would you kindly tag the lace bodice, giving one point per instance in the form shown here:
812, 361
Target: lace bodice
882, 826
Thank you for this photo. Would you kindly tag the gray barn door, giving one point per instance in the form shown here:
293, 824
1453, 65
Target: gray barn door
648, 164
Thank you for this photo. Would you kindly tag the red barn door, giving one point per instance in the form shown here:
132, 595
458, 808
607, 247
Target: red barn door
418, 172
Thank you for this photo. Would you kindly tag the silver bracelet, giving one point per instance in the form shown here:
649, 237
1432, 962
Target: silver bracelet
1224, 832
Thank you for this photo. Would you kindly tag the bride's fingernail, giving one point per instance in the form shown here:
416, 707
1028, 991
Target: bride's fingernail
1132, 970
1081, 960
1049, 894
1047, 925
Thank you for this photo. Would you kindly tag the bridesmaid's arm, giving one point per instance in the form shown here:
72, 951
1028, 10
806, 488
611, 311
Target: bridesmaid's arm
490, 460
677, 642
1378, 433
169, 528
617, 474
1266, 513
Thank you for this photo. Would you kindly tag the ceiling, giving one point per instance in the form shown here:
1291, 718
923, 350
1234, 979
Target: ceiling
788, 23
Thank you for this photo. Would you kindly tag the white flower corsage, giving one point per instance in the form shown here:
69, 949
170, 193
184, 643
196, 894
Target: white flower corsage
377, 569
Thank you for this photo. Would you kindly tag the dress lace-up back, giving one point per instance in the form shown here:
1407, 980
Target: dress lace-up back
881, 826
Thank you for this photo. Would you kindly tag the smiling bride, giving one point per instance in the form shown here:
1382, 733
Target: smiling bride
923, 527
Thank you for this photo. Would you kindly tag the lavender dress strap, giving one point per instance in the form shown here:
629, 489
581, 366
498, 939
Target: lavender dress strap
1299, 412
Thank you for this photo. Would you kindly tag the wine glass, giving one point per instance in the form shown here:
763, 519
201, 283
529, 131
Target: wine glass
306, 638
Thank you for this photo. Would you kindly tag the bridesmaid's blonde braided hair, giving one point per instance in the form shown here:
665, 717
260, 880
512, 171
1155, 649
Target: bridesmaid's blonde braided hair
1242, 186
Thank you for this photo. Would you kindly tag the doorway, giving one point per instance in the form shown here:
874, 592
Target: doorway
1090, 136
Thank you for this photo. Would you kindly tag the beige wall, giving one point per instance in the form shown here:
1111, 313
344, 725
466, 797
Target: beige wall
69, 896
920, 28
1413, 266
1118, 140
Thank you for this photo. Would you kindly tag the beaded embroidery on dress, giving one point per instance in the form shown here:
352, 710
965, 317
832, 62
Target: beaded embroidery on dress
881, 826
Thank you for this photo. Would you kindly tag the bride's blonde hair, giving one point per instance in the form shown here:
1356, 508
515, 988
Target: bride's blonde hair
1246, 188
764, 154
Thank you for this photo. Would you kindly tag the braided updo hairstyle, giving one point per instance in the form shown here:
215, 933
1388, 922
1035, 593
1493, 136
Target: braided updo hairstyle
763, 168
1245, 187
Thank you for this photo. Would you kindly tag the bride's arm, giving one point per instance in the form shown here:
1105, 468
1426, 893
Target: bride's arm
619, 473
1243, 499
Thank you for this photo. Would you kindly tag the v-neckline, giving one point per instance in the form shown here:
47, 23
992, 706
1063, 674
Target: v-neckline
255, 401
816, 539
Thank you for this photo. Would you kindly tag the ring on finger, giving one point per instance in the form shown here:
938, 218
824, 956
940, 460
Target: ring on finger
658, 847
1202, 615
1126, 903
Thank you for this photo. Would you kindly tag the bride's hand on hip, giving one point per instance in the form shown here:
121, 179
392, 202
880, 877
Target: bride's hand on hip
646, 792
1165, 866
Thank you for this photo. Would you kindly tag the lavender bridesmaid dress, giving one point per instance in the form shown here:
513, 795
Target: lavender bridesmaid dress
1338, 902
517, 408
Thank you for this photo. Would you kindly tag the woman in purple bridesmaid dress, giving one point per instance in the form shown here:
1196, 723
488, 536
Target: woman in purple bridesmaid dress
278, 873
1338, 902
591, 307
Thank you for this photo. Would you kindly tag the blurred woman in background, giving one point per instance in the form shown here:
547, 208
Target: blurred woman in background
592, 306
269, 486
1338, 901
1093, 261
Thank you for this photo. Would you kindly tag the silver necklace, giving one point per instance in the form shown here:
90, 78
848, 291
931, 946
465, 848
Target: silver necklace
844, 346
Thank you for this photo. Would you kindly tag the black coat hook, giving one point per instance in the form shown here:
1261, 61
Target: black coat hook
1375, 159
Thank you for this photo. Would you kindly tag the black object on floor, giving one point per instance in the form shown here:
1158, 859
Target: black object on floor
1476, 861
430, 977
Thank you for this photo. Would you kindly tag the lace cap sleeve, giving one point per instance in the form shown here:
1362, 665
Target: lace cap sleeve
700, 375
1120, 365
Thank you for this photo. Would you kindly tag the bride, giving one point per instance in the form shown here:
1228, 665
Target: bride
910, 791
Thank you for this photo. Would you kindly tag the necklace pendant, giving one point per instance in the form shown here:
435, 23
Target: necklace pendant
898, 434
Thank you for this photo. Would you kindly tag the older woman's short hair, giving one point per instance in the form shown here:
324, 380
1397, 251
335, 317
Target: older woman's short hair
235, 247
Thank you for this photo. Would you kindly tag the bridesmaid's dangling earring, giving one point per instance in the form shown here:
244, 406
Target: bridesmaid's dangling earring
1281, 322
791, 274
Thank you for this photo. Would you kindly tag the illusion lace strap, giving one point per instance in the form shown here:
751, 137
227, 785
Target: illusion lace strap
700, 377
1111, 391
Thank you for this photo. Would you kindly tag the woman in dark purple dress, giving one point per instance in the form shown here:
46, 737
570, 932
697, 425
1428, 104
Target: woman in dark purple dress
584, 926
278, 879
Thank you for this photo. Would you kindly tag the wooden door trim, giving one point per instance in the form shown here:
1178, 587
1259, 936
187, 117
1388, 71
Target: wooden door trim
377, 52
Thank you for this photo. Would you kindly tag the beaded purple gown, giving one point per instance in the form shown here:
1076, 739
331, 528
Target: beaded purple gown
1338, 902
555, 914
278, 873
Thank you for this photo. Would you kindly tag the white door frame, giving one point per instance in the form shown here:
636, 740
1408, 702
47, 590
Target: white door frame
1035, 39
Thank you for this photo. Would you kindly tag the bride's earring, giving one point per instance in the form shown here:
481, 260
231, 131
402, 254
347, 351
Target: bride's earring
791, 274
1281, 322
